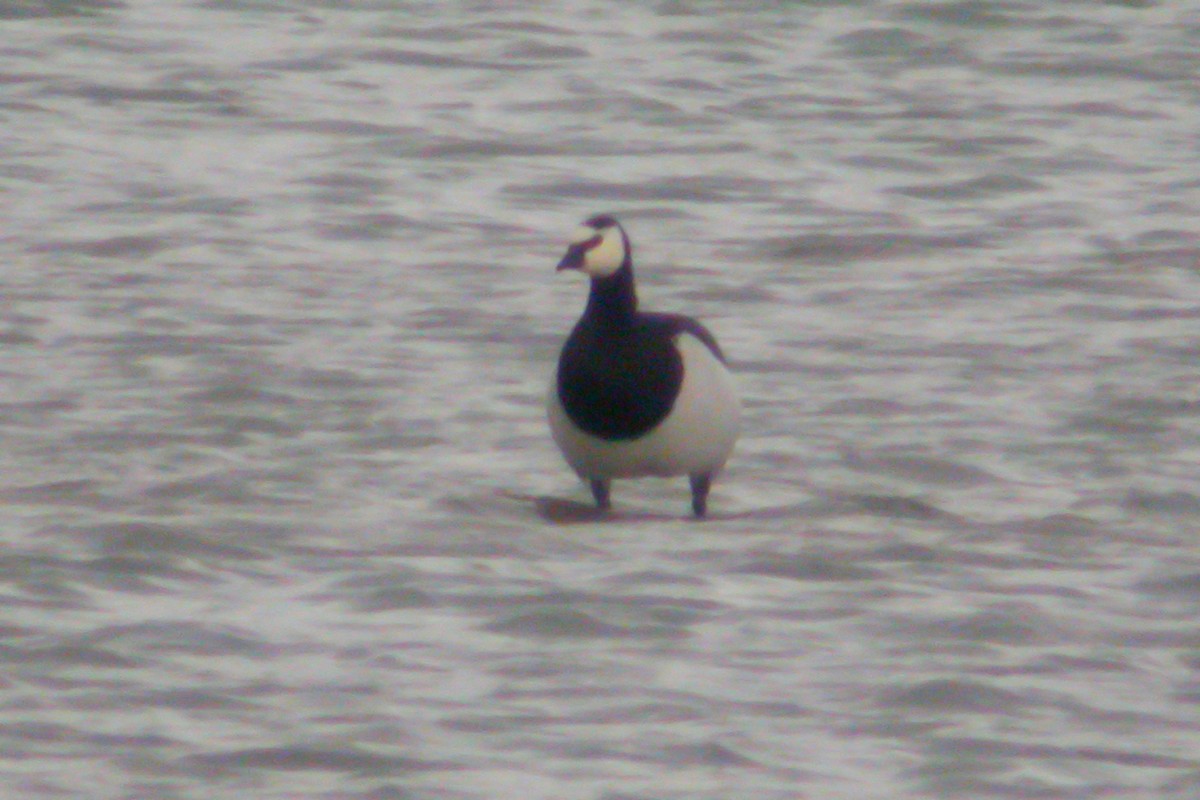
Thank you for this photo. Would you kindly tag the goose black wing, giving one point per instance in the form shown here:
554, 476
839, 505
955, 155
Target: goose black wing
676, 324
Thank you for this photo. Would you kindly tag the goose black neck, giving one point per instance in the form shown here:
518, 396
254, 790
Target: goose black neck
613, 300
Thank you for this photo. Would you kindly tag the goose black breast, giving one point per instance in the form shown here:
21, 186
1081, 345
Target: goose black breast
620, 382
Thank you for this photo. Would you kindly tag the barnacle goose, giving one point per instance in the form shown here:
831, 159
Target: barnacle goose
637, 393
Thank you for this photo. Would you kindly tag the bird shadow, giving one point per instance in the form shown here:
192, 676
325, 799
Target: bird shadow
563, 511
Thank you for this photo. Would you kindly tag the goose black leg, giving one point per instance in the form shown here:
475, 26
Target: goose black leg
600, 492
700, 485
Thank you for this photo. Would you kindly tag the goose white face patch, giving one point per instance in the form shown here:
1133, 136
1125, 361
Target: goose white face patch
606, 256
582, 234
